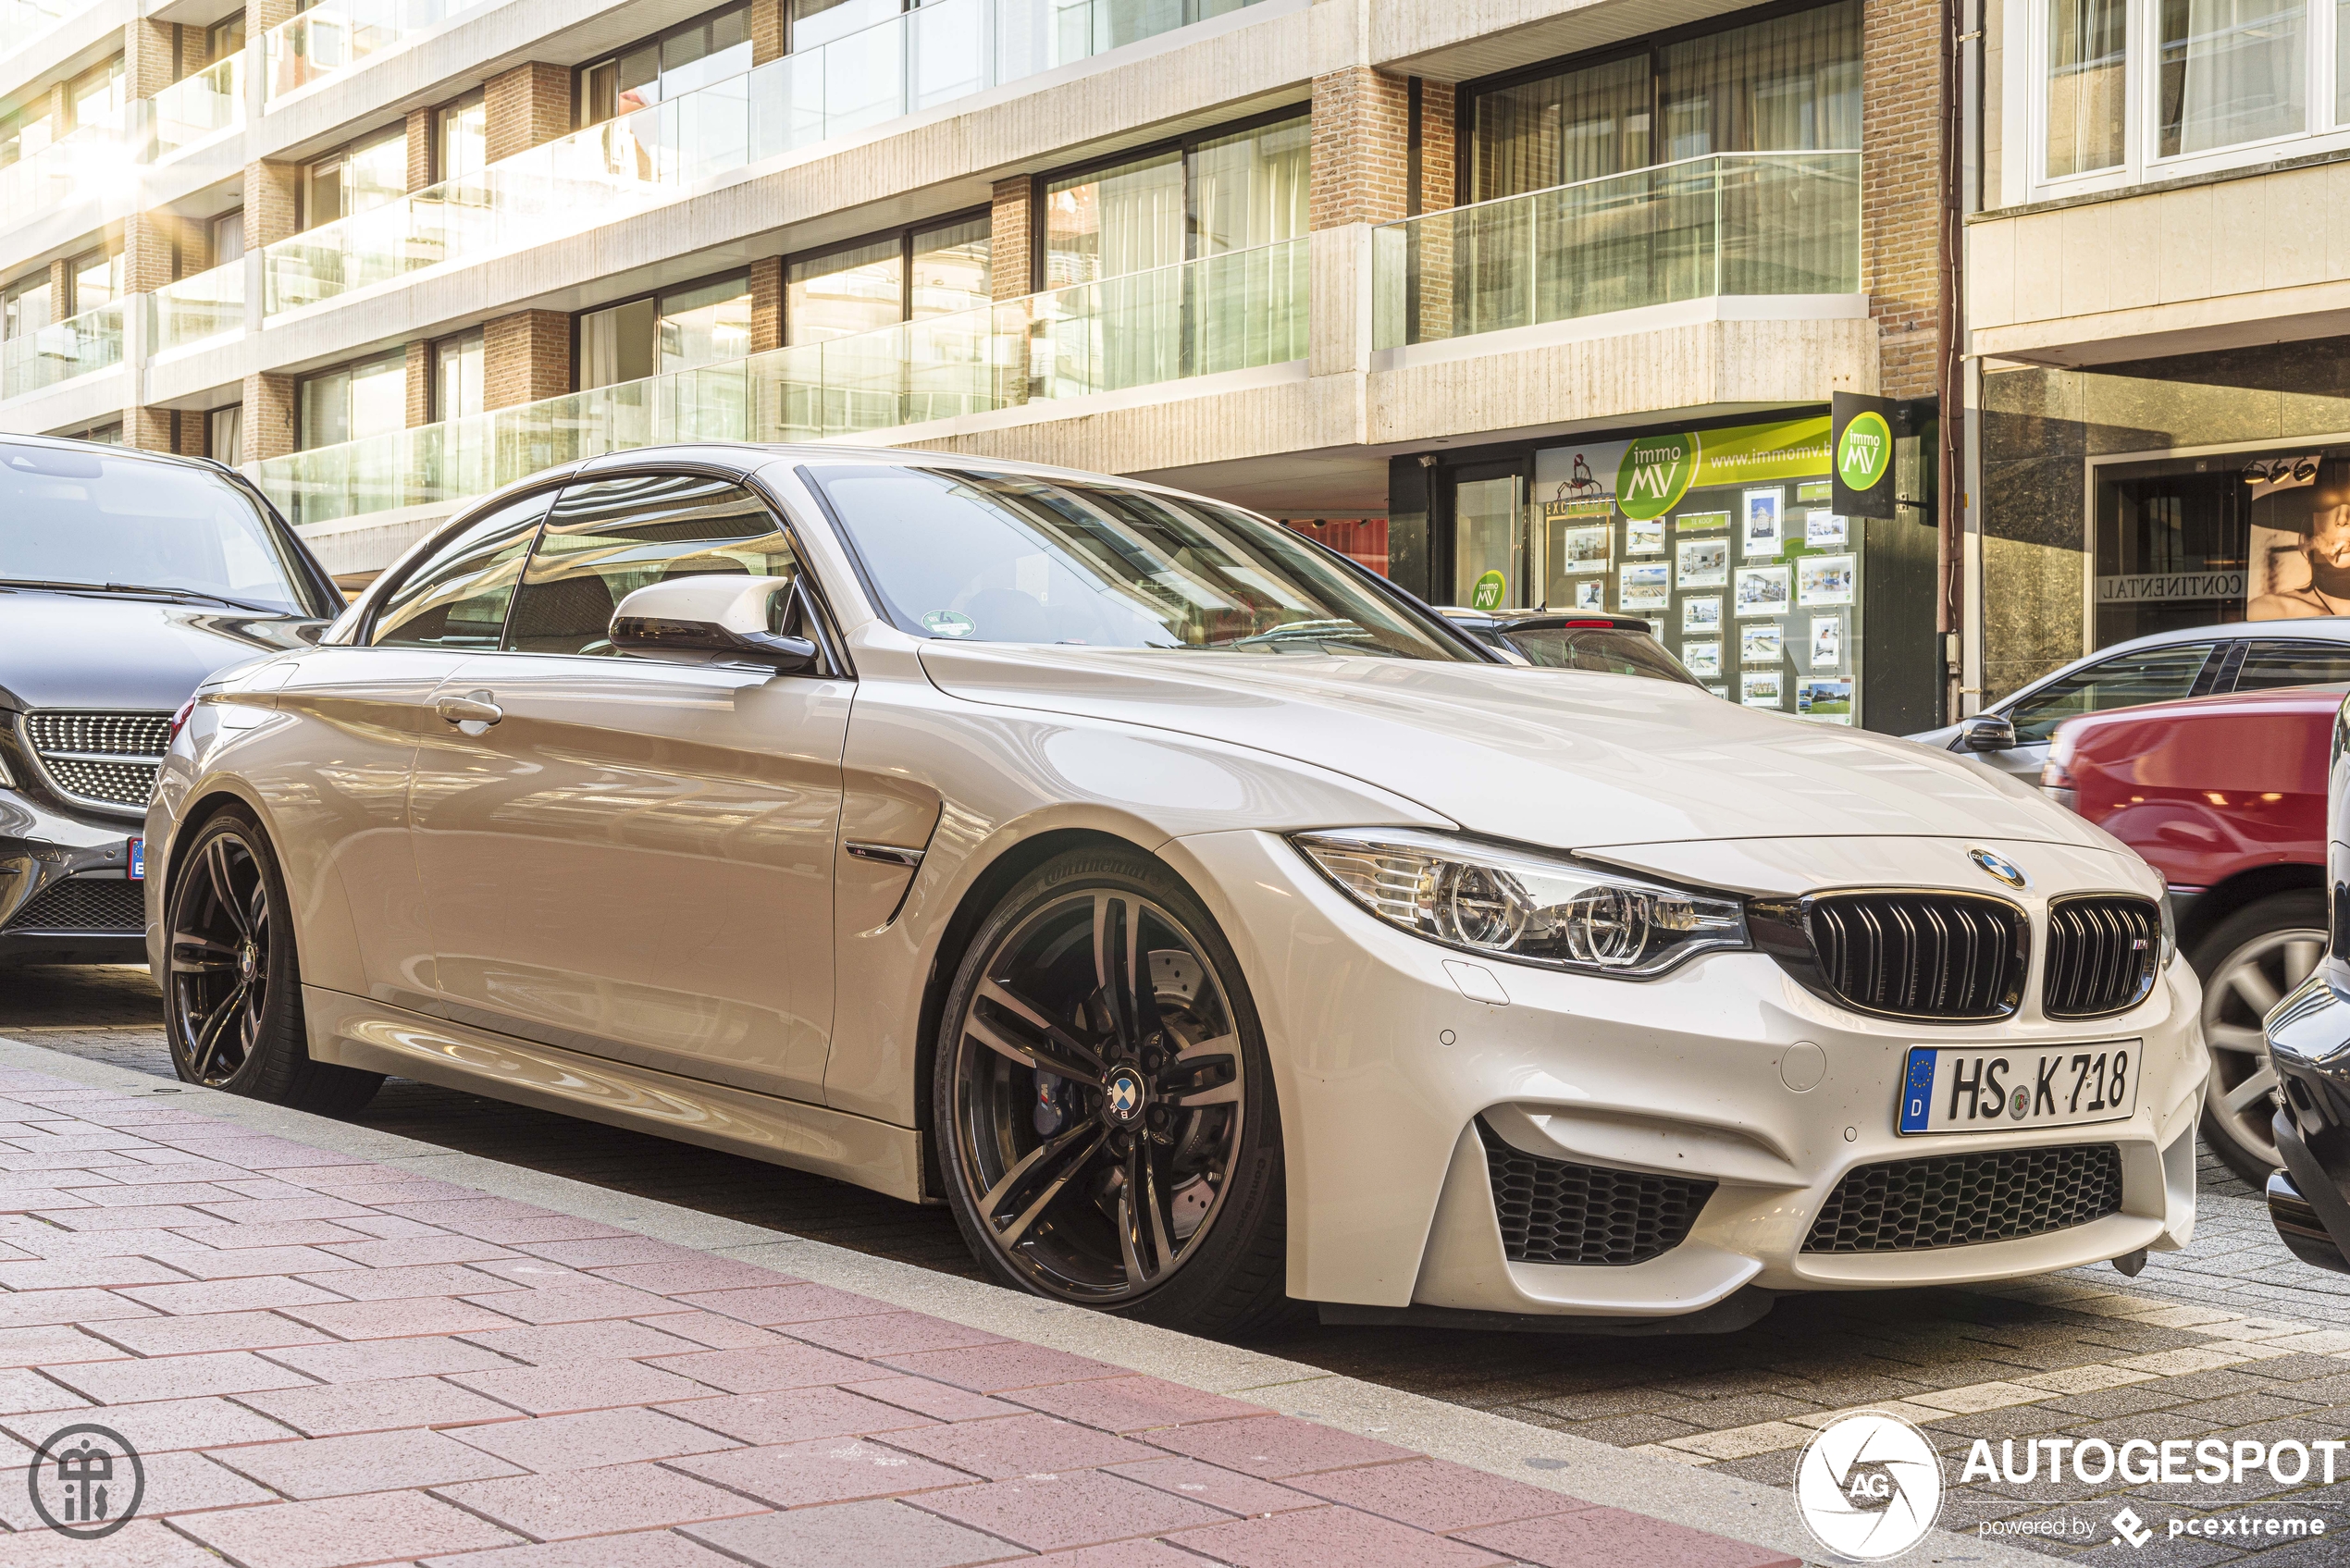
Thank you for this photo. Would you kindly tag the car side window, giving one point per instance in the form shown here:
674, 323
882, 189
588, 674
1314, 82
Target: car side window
605, 539
457, 597
2154, 674
2267, 664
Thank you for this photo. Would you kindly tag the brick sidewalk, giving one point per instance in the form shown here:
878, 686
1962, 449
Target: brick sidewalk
329, 1362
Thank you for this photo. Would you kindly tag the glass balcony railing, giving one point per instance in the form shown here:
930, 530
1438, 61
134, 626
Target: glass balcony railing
200, 307
314, 44
1229, 312
21, 21
911, 61
1733, 223
195, 107
62, 351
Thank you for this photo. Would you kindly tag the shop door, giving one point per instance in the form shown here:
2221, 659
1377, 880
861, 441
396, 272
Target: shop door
1490, 566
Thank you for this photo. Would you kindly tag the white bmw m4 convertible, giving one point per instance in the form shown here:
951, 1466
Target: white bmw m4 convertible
1214, 927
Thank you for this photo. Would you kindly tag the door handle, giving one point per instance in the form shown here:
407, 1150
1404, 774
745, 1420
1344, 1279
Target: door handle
471, 713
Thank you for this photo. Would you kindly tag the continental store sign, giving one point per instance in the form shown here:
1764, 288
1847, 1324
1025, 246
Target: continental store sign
1648, 477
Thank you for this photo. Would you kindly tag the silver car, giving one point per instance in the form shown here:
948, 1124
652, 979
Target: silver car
2012, 734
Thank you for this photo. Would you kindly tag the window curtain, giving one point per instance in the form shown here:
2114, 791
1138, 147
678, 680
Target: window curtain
1788, 84
2232, 73
2087, 78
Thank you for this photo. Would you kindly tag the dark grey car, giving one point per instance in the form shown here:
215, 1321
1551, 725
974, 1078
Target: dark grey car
126, 578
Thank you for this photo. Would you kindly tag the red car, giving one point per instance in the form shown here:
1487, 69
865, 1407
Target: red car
2226, 796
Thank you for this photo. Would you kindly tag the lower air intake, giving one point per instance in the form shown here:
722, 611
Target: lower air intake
1957, 1199
1557, 1210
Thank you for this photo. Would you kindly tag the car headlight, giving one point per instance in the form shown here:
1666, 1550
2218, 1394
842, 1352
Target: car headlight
1524, 906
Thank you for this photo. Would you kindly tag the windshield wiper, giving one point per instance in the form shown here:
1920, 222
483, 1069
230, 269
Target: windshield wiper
205, 594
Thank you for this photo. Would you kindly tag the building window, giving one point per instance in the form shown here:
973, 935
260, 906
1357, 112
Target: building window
225, 434
225, 38
815, 22
25, 132
2088, 84
354, 179
675, 329
97, 281
456, 376
708, 49
98, 94
460, 137
1786, 84
910, 276
2232, 71
28, 305
228, 237
354, 402
1229, 191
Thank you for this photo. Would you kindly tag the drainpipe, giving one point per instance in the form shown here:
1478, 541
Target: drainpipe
1950, 465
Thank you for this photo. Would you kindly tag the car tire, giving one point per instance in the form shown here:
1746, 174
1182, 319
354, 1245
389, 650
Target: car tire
1169, 1096
2245, 963
232, 984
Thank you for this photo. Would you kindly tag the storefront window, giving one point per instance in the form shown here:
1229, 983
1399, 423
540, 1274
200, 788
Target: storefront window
2207, 540
1722, 538
2089, 72
2233, 70
1789, 84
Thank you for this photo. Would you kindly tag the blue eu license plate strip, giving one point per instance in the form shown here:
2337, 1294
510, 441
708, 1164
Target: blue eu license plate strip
137, 859
1917, 1089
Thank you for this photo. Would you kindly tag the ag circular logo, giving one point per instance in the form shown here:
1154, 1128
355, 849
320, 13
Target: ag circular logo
1864, 450
1869, 1486
86, 1481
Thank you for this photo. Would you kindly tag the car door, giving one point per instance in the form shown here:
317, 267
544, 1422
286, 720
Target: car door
2125, 680
635, 860
361, 711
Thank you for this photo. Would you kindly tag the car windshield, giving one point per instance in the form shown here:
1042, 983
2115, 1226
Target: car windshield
1614, 650
1008, 558
87, 516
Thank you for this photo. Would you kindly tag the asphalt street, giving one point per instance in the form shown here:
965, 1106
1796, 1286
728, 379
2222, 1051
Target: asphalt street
2231, 1340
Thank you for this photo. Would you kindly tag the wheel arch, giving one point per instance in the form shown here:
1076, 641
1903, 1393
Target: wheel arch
2242, 889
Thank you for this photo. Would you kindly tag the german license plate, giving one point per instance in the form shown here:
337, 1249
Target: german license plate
1946, 1089
137, 859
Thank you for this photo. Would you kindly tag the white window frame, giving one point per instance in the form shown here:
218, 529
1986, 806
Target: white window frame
2026, 178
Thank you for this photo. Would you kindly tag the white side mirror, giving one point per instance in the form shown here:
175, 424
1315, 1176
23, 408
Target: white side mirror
721, 614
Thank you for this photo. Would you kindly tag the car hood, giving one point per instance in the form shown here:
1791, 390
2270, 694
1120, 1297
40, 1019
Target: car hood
101, 650
1553, 756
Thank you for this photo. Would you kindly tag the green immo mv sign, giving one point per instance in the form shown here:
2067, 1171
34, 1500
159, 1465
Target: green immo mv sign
1655, 474
1860, 436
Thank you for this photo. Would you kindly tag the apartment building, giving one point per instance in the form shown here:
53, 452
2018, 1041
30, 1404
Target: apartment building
1522, 303
2157, 271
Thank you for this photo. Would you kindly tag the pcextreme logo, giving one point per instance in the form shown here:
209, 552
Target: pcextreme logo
1869, 1486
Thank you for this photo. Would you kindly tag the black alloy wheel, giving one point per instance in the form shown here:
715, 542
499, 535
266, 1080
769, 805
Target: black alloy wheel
232, 998
1104, 1113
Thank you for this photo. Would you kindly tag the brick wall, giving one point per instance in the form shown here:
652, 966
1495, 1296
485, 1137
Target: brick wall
769, 33
1012, 238
420, 149
269, 202
525, 106
150, 50
1439, 106
1902, 187
195, 424
151, 251
262, 15
766, 304
1362, 126
151, 430
419, 385
268, 417
524, 357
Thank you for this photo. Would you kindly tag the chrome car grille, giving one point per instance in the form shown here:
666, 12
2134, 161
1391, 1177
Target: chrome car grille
2103, 952
1946, 956
84, 903
1557, 1210
1957, 1199
100, 759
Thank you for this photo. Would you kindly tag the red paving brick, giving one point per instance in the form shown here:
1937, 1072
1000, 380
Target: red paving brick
382, 1368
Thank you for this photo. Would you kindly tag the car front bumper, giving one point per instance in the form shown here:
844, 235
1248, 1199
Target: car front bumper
1725, 1070
41, 847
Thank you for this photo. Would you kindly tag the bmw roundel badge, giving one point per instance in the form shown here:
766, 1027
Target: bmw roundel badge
1125, 1092
1999, 866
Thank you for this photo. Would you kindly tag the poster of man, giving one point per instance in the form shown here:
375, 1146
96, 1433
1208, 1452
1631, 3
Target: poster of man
2300, 543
